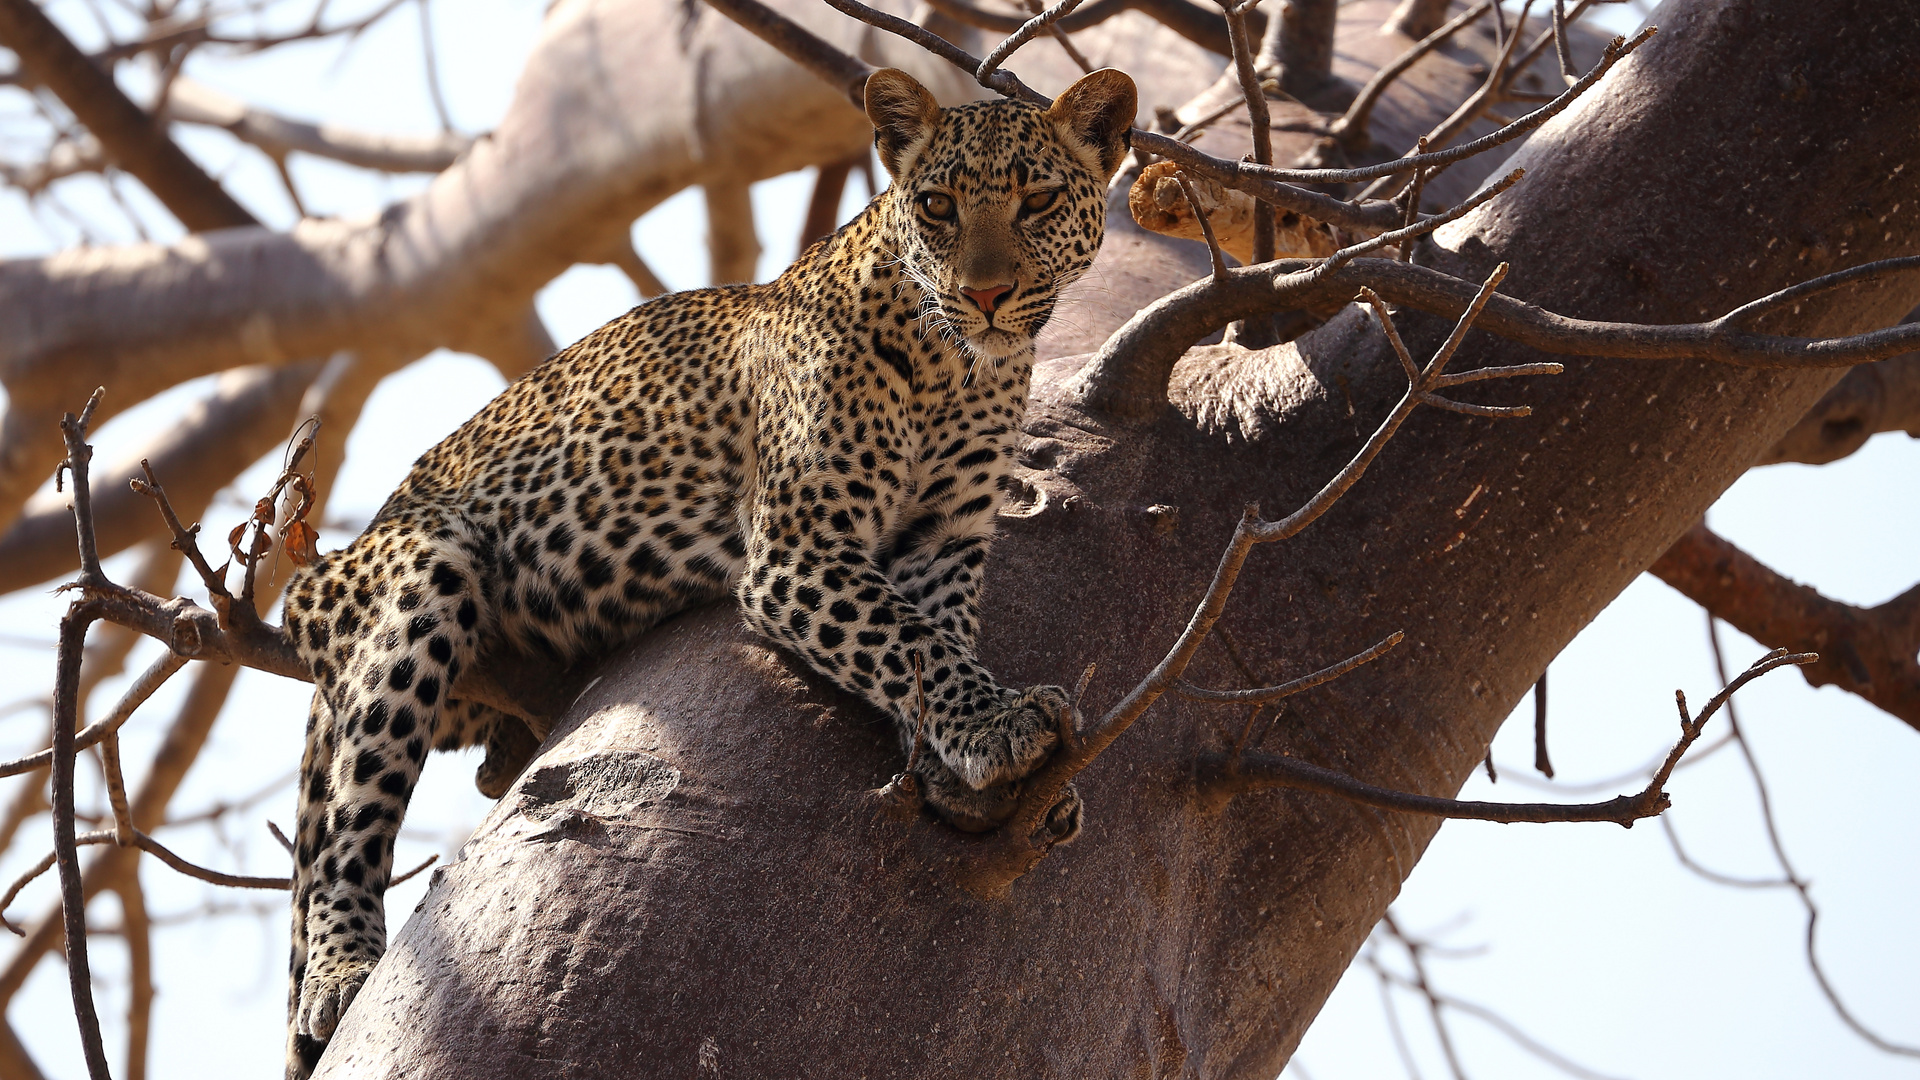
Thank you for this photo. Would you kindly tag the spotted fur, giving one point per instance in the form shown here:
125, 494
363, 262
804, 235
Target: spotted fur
827, 448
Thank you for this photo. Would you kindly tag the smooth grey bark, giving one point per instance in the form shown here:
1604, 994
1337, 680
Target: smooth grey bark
687, 882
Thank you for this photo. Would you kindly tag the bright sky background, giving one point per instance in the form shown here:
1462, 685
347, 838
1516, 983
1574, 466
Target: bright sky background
1589, 937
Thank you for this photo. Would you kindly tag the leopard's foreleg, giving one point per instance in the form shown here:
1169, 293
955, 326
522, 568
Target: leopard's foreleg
387, 625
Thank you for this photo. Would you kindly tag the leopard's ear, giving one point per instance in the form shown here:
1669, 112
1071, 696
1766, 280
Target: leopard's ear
1096, 116
903, 115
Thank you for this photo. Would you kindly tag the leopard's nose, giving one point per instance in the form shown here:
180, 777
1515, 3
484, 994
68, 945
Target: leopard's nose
988, 298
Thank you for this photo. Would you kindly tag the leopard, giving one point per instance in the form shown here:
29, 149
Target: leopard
829, 449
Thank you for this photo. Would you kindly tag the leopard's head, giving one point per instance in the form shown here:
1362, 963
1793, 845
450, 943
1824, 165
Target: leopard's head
998, 205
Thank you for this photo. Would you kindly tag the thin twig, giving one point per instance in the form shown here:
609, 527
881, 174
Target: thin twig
1617, 50
136, 694
1421, 227
136, 928
1221, 777
1499, 1023
1541, 763
1560, 44
1800, 885
1027, 32
73, 638
116, 790
1260, 122
1060, 35
1820, 284
1715, 876
1351, 127
416, 871
1421, 984
1206, 227
1296, 686
166, 855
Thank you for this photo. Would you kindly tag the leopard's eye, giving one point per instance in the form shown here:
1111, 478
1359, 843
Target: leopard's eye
936, 205
1038, 202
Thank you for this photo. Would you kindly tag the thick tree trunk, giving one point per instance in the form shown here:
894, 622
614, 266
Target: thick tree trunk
687, 882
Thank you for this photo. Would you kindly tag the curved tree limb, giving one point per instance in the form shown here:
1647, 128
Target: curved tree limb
1221, 776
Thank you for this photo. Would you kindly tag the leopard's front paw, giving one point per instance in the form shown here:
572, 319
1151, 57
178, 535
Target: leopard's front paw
989, 808
1007, 743
963, 807
325, 993
1064, 818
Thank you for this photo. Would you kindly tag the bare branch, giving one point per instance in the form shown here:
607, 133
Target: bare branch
248, 413
1567, 70
1421, 227
1221, 776
1799, 884
73, 637
1617, 50
1865, 651
1794, 293
1351, 128
1197, 24
1541, 762
1066, 43
1027, 32
1296, 686
192, 102
1129, 376
136, 927
1206, 227
138, 143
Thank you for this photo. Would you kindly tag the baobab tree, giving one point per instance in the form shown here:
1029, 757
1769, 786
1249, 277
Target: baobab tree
694, 851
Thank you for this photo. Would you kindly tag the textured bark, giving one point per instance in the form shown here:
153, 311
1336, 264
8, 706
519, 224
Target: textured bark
687, 882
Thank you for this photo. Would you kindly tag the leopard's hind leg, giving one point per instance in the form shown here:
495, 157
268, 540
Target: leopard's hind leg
386, 625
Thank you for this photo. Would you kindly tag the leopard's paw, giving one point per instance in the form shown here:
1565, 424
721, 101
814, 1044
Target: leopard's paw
963, 807
1009, 742
325, 993
1064, 819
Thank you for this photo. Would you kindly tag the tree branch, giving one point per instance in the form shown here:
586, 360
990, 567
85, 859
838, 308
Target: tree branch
1871, 398
1865, 651
248, 413
1129, 376
133, 138
73, 638
192, 102
1351, 127
1222, 776
1197, 24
